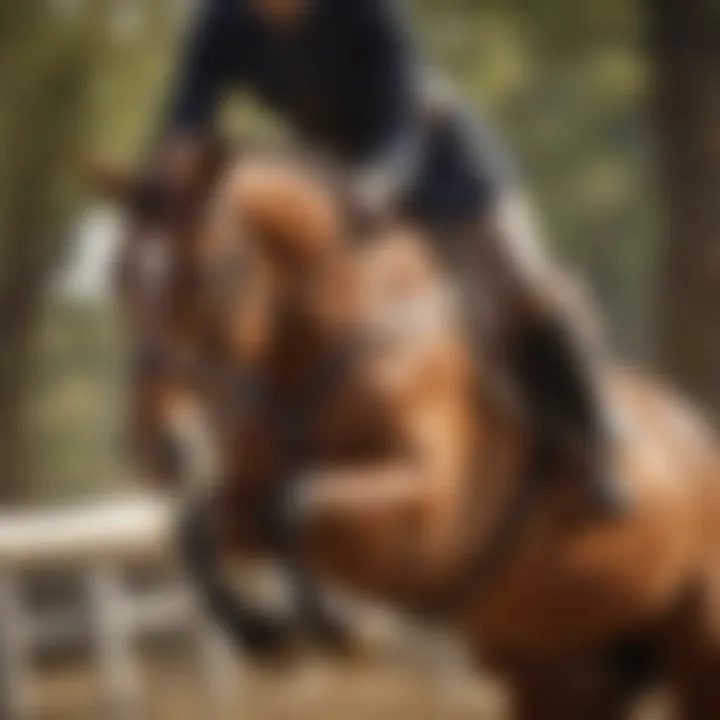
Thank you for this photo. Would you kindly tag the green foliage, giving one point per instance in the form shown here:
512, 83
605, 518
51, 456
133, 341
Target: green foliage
565, 84
44, 55
76, 409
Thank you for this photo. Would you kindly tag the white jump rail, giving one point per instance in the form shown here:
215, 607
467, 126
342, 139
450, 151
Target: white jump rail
109, 530
98, 540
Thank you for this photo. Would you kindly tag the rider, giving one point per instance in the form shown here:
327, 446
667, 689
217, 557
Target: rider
347, 79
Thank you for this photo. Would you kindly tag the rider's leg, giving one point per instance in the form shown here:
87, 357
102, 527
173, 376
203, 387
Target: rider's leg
529, 325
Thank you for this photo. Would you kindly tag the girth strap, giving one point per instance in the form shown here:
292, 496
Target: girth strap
488, 560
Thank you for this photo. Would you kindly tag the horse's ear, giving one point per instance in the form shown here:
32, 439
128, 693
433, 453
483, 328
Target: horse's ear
288, 211
109, 182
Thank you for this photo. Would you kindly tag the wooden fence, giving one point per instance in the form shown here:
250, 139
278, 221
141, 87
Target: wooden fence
98, 541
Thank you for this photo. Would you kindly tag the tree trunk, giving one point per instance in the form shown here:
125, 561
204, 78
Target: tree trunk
686, 49
14, 380
43, 67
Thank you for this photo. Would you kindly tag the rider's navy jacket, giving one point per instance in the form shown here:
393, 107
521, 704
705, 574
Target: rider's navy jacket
348, 81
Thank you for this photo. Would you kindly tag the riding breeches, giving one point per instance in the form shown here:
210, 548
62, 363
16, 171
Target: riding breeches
532, 320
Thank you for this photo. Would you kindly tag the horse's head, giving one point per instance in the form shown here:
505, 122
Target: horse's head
204, 257
158, 280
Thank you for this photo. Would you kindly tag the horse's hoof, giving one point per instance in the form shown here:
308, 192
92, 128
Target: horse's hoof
332, 635
263, 638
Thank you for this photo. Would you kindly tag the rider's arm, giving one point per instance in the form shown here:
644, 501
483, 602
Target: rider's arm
202, 70
392, 140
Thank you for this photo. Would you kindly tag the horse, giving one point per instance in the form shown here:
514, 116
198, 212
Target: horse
362, 451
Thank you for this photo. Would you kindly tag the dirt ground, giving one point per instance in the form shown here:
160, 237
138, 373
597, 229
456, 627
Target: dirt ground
312, 690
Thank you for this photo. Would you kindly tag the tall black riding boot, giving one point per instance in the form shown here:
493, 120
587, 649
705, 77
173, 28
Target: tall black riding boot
566, 410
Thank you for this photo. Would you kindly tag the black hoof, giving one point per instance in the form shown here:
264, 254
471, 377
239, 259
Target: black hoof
331, 634
253, 632
263, 638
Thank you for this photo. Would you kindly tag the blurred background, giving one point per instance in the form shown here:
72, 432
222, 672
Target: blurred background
611, 106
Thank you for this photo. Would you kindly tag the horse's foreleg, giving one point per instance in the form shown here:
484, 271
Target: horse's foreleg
202, 546
358, 492
349, 496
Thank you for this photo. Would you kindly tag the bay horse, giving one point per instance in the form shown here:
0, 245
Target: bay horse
360, 450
